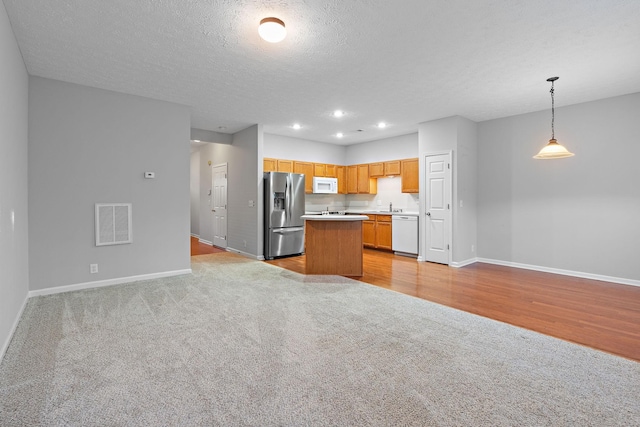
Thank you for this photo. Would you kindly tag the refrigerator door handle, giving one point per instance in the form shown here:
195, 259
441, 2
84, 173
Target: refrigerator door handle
287, 199
287, 230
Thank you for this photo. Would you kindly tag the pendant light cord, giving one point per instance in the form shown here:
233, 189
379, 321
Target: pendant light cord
553, 115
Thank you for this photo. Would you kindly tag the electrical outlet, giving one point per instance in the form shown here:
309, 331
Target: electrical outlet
93, 268
244, 242
473, 248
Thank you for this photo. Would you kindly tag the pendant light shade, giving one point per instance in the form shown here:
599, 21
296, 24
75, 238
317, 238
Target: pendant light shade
272, 30
553, 150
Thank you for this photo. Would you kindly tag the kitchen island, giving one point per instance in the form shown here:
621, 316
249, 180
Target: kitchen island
333, 244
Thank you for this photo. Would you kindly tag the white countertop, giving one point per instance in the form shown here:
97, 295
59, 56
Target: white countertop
381, 212
335, 217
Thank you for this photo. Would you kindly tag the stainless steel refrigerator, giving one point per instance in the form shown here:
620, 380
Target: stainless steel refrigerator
283, 210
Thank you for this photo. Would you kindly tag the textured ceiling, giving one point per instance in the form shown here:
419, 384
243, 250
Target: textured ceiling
403, 62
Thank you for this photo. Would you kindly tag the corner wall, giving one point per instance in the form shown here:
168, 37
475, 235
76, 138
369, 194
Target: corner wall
88, 146
244, 183
579, 214
14, 236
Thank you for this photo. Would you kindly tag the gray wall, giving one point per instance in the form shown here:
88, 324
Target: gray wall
394, 148
89, 146
458, 135
14, 238
568, 214
195, 192
284, 147
244, 183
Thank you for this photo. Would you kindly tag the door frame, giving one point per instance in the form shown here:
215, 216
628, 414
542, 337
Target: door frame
422, 223
226, 197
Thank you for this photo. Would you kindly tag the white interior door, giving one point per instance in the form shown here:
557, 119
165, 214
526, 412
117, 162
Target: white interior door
219, 202
438, 207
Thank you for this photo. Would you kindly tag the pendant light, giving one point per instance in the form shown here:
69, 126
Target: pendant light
553, 150
272, 30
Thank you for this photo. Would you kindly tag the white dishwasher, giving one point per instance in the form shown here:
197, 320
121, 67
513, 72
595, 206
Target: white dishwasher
404, 234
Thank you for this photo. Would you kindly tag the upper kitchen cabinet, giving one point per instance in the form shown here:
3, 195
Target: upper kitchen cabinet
392, 168
409, 173
376, 170
307, 169
277, 165
341, 174
366, 184
319, 169
352, 179
330, 171
269, 165
285, 165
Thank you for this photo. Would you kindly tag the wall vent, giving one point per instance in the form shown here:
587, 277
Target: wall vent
113, 224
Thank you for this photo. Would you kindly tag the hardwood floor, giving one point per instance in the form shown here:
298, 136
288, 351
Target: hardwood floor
198, 248
601, 315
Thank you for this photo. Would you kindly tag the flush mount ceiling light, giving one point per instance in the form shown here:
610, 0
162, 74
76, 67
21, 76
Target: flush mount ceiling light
272, 30
553, 150
382, 125
338, 113
296, 126
339, 135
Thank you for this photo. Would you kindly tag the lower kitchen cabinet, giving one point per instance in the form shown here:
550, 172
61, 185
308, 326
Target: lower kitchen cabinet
369, 232
376, 232
383, 232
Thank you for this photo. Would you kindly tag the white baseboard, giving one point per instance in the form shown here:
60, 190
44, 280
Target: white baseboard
463, 263
108, 282
197, 236
580, 274
206, 242
246, 254
7, 341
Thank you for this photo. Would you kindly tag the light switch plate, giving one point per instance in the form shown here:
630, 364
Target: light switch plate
149, 175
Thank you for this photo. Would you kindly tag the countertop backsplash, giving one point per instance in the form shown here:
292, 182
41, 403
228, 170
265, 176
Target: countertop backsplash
389, 191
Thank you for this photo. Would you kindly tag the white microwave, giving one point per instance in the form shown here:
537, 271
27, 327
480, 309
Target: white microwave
325, 185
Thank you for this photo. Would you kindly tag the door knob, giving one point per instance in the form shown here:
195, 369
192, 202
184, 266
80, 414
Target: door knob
428, 213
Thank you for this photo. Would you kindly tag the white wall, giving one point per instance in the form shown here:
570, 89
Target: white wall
394, 148
14, 238
284, 147
89, 146
195, 192
580, 214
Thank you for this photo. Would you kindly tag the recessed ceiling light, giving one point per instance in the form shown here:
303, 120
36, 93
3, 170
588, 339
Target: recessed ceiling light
338, 113
195, 140
382, 125
296, 126
339, 135
272, 30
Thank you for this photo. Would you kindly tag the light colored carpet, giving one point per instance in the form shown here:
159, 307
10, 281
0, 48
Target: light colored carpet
244, 343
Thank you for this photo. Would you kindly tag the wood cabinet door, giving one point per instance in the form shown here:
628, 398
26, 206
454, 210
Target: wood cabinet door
376, 170
410, 172
319, 169
383, 233
392, 168
285, 165
341, 174
269, 165
363, 179
369, 232
352, 179
307, 169
330, 171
